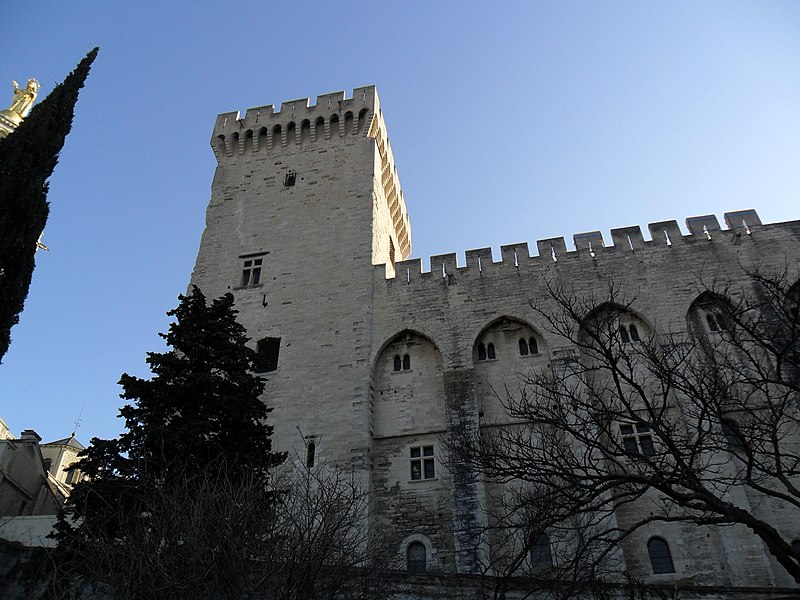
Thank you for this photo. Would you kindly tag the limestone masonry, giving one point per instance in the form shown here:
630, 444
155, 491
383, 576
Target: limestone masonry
373, 363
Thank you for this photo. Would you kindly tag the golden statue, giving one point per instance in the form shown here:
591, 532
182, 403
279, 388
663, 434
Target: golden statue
21, 104
23, 99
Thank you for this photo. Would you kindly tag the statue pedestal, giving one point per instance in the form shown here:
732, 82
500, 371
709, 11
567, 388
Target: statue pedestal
9, 120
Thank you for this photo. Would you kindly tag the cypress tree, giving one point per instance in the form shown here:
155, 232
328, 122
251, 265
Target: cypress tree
199, 414
27, 159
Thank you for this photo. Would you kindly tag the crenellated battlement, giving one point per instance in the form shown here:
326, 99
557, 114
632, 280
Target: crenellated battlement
587, 246
296, 122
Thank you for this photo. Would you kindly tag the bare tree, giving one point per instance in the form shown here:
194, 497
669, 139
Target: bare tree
630, 425
299, 536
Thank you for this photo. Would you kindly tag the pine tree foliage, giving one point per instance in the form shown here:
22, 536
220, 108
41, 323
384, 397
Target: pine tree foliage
27, 159
200, 413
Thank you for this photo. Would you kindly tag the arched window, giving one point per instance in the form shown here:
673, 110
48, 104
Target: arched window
533, 345
311, 450
623, 334
490, 351
634, 333
291, 133
398, 363
481, 351
406, 362
334, 125
660, 557
540, 552
523, 347
417, 557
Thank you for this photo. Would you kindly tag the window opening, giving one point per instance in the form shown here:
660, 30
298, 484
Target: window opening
523, 347
541, 556
623, 334
660, 556
636, 439
422, 463
533, 346
406, 362
310, 451
72, 476
398, 363
417, 557
267, 351
251, 272
481, 351
490, 351
290, 179
733, 439
634, 333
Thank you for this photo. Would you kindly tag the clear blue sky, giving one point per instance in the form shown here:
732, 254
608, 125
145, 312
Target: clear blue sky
510, 121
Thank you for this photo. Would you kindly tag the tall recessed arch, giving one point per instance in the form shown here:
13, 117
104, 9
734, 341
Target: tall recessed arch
709, 316
408, 386
505, 350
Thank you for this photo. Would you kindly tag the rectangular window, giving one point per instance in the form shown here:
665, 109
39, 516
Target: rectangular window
636, 439
422, 463
251, 270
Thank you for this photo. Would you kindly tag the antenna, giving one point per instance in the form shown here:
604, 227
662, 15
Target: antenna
77, 422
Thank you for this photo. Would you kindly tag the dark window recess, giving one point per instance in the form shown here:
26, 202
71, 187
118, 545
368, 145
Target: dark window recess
732, 436
636, 439
267, 351
660, 556
251, 272
417, 557
629, 333
716, 322
290, 179
523, 347
481, 351
310, 452
406, 362
533, 346
398, 362
541, 556
490, 351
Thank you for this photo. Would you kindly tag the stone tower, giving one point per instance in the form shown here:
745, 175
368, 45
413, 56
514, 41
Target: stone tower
304, 201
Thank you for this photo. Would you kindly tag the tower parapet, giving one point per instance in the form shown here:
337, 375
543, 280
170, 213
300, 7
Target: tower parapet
299, 125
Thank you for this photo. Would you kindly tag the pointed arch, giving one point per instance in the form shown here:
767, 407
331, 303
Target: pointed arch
407, 382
